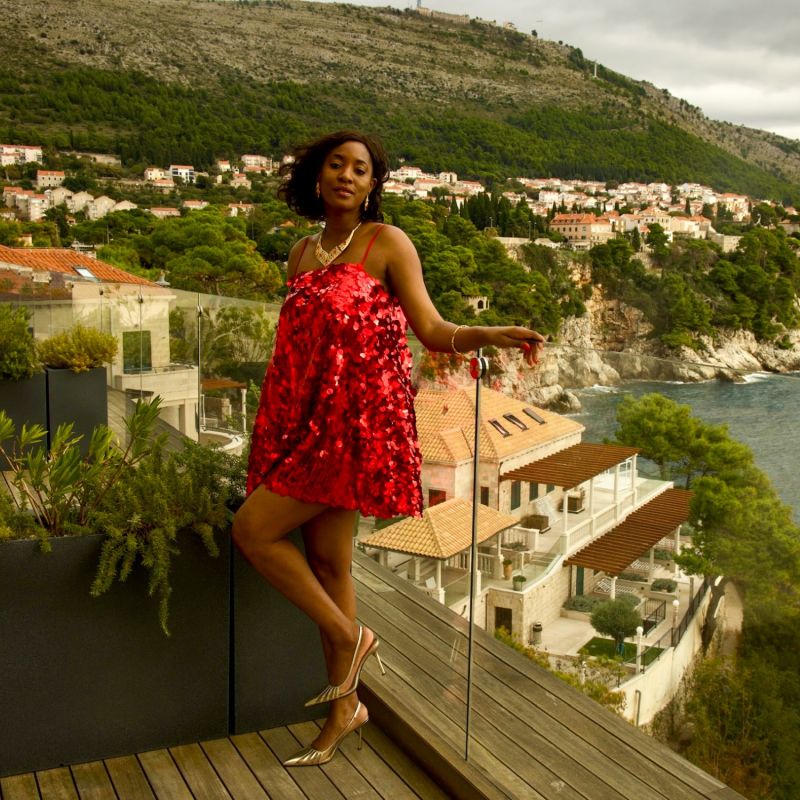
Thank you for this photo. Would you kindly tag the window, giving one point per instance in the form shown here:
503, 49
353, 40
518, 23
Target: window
516, 421
136, 352
484, 495
534, 416
533, 491
516, 494
498, 426
550, 488
436, 496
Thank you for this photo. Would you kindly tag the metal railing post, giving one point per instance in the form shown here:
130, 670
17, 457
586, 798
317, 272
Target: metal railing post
479, 366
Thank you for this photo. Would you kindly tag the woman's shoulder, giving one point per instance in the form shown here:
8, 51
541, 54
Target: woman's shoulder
296, 253
388, 235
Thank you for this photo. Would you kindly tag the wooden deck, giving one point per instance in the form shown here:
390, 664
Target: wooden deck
533, 736
244, 767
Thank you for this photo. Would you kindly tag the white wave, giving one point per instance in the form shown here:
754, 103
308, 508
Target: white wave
757, 377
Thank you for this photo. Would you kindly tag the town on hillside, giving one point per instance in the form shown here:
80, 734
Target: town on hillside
581, 214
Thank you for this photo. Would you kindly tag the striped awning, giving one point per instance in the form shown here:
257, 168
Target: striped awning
572, 466
644, 528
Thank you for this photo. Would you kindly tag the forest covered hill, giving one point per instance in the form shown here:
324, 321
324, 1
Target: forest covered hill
190, 80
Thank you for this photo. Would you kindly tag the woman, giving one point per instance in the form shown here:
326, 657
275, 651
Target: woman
335, 430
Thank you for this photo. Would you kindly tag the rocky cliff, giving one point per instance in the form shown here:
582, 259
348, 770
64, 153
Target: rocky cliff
610, 344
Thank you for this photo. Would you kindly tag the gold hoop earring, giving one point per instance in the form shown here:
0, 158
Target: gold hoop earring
366, 204
318, 191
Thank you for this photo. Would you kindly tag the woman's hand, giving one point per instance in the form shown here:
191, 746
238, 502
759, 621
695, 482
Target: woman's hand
530, 342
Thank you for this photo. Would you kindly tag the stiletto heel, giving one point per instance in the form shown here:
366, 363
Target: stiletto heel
311, 757
360, 736
350, 683
380, 663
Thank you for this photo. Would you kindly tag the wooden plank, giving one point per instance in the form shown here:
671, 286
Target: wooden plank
311, 780
19, 787
163, 775
128, 778
343, 773
267, 768
198, 773
628, 766
92, 781
56, 784
418, 782
236, 775
445, 699
378, 774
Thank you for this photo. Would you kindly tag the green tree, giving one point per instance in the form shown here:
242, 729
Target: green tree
616, 618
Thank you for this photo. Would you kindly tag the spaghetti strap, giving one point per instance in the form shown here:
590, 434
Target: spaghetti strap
299, 258
305, 244
371, 242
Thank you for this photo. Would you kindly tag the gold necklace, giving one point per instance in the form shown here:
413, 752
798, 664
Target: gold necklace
325, 257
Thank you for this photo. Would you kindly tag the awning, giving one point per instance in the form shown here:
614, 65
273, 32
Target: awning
641, 530
572, 466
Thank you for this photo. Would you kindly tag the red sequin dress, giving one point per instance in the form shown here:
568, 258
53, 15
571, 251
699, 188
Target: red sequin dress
336, 420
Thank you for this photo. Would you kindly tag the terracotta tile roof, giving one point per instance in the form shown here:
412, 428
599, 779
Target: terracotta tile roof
57, 259
442, 531
445, 422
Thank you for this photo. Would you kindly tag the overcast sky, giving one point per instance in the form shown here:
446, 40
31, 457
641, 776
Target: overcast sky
738, 61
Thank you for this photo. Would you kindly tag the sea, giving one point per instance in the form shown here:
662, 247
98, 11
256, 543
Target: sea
763, 412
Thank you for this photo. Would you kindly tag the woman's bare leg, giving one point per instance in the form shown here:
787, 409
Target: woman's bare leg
260, 528
328, 539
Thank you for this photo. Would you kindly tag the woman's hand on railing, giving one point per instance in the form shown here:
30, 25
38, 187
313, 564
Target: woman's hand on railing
530, 342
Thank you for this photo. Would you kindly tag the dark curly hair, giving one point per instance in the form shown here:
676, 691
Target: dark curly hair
298, 188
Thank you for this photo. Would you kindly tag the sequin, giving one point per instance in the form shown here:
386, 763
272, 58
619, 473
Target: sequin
336, 421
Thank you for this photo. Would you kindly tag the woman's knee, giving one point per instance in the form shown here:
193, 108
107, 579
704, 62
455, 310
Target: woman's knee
328, 570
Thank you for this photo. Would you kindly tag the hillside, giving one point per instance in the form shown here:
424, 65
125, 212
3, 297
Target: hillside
187, 79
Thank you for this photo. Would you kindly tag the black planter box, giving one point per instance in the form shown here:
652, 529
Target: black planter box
277, 659
25, 402
77, 397
85, 678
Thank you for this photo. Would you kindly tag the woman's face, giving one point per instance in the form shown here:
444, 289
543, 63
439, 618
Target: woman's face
346, 176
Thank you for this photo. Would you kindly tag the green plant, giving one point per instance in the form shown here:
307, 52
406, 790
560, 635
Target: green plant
164, 494
581, 602
632, 576
664, 585
79, 349
17, 349
57, 491
617, 619
138, 496
518, 580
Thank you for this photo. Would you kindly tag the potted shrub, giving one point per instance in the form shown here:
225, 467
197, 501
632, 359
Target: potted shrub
508, 566
519, 582
22, 382
87, 673
76, 378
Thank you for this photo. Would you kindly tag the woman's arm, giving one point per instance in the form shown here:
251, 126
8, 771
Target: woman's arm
404, 273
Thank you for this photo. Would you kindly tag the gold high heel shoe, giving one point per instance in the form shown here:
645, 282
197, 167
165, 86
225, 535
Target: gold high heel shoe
350, 683
311, 757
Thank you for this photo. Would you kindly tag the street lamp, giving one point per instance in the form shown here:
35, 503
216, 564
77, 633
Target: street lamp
639, 634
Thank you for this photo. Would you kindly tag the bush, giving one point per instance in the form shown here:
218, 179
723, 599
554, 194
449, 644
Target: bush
582, 602
632, 576
18, 359
79, 349
664, 585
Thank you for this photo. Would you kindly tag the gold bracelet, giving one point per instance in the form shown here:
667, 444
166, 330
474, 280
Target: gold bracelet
453, 340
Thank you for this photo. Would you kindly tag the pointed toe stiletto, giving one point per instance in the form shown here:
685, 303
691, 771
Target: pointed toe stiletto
311, 757
350, 683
